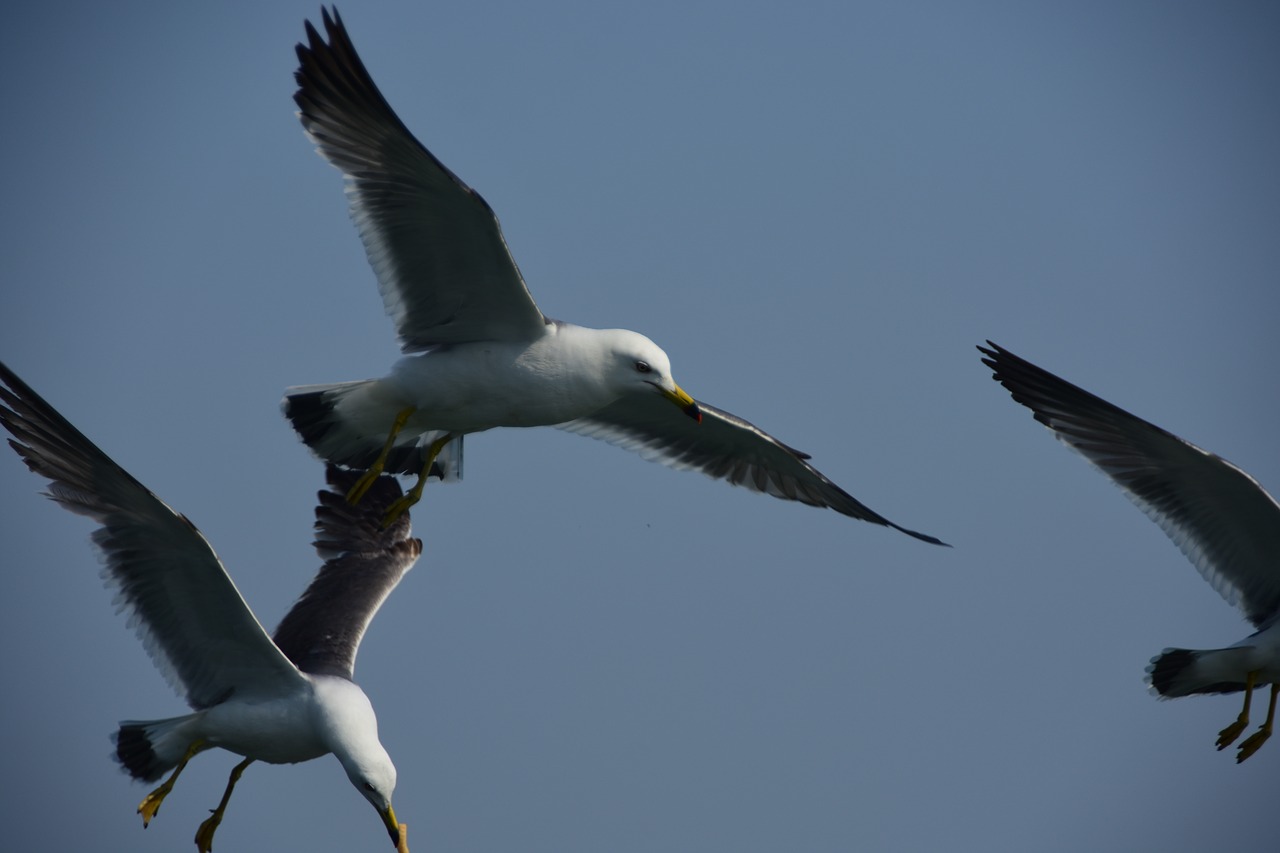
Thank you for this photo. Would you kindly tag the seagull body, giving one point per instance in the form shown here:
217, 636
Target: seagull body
279, 700
479, 352
1226, 524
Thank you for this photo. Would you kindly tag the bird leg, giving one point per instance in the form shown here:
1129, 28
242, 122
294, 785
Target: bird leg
204, 835
414, 495
369, 477
1258, 738
151, 803
1228, 735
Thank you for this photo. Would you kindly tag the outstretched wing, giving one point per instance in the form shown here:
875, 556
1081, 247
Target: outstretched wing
443, 267
724, 447
363, 563
187, 612
1219, 516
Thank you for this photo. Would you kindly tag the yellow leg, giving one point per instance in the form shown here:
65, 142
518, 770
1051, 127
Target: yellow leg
204, 835
415, 494
151, 803
368, 478
1228, 735
1258, 738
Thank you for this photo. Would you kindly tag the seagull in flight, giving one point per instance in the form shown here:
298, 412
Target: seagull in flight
479, 353
1220, 517
280, 699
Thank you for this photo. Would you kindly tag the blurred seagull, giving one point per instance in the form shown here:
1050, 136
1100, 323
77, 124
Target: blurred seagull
1218, 515
281, 701
482, 354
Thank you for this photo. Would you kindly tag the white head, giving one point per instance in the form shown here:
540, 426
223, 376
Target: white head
638, 364
350, 729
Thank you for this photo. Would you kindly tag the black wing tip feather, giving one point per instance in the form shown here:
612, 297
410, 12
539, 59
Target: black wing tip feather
48, 444
923, 537
1046, 394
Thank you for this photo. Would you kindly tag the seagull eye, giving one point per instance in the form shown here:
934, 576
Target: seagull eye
368, 786
643, 367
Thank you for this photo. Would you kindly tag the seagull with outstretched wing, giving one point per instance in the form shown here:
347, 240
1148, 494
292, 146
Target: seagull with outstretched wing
1219, 516
479, 352
280, 699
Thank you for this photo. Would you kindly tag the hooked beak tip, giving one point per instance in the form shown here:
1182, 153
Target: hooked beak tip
694, 412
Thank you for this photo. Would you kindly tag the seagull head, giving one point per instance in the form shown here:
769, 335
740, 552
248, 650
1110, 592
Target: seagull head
350, 728
374, 776
641, 364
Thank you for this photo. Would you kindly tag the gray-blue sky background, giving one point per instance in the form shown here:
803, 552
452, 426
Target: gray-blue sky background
817, 210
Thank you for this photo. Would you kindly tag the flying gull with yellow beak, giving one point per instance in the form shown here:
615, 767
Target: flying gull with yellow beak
479, 352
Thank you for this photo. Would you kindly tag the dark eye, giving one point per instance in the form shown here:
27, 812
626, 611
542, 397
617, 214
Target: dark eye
368, 786
643, 367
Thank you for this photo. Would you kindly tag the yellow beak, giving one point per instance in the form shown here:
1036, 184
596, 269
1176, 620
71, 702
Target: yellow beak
393, 826
687, 404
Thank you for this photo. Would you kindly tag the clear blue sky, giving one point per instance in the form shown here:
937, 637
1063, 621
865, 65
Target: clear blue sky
817, 209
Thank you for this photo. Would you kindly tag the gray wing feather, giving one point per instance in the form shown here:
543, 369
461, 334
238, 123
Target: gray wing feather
189, 615
363, 563
1217, 515
724, 447
443, 267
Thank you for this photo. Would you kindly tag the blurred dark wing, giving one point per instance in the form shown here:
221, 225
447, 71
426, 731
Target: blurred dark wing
363, 563
724, 447
443, 267
189, 615
1218, 515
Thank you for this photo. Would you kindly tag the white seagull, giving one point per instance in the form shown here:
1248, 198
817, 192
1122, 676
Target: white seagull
480, 354
1219, 516
280, 700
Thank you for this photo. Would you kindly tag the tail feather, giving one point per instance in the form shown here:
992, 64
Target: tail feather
1181, 672
147, 749
316, 416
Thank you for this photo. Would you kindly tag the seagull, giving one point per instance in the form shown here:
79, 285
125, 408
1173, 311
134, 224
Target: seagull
479, 353
1220, 517
280, 700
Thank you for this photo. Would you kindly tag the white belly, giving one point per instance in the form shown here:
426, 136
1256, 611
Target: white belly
278, 731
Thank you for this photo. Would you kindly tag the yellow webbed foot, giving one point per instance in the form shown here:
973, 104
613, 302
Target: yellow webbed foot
204, 835
1227, 736
366, 481
151, 803
398, 509
368, 478
1258, 738
1251, 744
414, 495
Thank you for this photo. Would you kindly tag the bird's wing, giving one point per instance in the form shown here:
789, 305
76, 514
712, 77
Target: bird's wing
443, 267
724, 447
1218, 515
362, 564
186, 610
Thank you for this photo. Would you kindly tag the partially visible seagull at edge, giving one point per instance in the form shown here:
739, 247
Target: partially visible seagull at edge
479, 352
280, 700
1219, 516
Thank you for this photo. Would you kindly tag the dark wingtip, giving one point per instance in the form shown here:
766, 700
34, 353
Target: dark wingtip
932, 540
